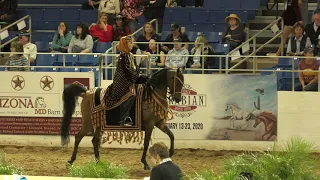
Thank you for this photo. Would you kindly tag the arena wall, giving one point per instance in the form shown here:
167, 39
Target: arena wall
297, 113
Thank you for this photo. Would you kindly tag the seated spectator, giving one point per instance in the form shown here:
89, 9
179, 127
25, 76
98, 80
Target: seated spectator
111, 8
148, 33
234, 33
81, 42
16, 59
62, 39
102, 30
135, 50
120, 28
130, 11
299, 42
308, 80
177, 61
175, 33
201, 45
29, 48
91, 4
155, 60
313, 31
8, 11
154, 10
165, 169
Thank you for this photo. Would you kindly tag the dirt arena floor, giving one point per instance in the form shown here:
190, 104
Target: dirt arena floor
46, 161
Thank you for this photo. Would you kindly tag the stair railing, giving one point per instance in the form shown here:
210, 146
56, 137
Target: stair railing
255, 49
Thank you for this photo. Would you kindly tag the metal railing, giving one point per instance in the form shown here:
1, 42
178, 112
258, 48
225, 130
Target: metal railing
101, 67
11, 25
255, 49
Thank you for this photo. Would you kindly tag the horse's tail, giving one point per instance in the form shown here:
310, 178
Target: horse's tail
70, 96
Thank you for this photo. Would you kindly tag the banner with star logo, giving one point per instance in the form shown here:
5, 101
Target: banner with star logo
31, 102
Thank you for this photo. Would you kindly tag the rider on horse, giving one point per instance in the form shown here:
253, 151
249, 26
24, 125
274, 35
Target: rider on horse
122, 90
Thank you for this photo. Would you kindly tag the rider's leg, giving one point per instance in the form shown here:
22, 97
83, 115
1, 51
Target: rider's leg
125, 111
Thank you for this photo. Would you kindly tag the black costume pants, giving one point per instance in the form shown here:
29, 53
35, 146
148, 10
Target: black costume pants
125, 108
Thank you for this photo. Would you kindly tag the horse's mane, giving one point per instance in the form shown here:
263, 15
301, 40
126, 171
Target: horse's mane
234, 104
159, 76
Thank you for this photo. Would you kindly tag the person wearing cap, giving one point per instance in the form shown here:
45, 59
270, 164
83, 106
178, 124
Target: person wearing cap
103, 31
176, 57
308, 79
298, 42
120, 28
131, 13
111, 8
234, 33
29, 48
175, 33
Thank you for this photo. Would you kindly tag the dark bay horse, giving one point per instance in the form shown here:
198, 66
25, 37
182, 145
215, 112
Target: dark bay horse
157, 86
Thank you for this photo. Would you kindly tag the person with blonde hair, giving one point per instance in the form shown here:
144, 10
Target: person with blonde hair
148, 33
17, 59
166, 169
202, 47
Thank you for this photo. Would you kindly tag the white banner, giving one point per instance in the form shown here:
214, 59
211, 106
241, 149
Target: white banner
31, 102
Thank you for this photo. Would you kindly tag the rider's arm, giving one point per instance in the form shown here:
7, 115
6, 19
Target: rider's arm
129, 72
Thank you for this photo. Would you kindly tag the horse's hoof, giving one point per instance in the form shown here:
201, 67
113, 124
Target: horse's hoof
69, 164
147, 168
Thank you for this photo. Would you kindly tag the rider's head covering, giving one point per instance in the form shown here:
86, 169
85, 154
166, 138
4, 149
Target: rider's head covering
123, 45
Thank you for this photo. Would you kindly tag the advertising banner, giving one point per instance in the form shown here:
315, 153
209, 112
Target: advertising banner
31, 102
225, 107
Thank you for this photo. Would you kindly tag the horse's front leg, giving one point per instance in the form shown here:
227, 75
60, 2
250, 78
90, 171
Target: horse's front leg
147, 137
230, 120
166, 130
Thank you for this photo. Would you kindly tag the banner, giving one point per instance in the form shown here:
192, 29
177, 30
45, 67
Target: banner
31, 102
225, 107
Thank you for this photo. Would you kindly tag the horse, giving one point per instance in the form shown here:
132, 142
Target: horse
157, 86
238, 114
270, 122
39, 102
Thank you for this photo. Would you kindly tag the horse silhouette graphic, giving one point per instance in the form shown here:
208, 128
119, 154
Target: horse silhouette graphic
39, 103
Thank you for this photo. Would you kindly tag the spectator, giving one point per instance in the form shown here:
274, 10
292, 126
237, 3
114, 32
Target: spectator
155, 60
175, 58
166, 169
135, 50
62, 39
130, 11
290, 16
175, 33
103, 31
81, 42
202, 47
148, 33
313, 31
154, 10
120, 28
308, 80
16, 59
234, 33
111, 8
29, 48
8, 10
91, 4
299, 42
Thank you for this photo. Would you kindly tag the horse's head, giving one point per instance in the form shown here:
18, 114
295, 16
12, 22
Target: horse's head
228, 107
175, 83
257, 121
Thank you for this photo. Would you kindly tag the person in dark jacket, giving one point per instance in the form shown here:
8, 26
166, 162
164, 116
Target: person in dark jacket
154, 10
312, 30
166, 169
122, 90
8, 10
298, 42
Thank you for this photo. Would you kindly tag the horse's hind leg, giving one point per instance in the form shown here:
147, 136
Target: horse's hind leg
166, 130
78, 139
96, 143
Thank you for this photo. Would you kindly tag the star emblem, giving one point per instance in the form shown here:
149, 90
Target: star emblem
46, 83
17, 82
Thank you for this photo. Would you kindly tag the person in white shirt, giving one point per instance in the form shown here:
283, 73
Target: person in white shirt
110, 7
177, 61
29, 48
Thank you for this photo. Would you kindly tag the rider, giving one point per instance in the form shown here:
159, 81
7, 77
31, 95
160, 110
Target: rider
122, 90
